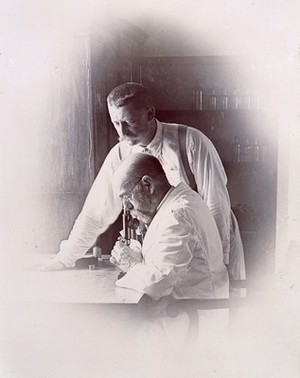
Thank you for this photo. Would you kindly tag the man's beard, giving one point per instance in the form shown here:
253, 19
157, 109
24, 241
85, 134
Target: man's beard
143, 216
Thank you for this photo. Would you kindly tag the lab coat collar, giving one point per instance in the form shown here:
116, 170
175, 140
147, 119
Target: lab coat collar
165, 198
172, 193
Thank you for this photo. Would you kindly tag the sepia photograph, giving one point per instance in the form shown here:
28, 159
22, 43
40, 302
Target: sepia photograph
150, 180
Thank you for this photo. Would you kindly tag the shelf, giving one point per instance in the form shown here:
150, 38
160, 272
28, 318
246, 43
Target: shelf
244, 164
211, 120
249, 232
251, 184
211, 114
246, 171
198, 112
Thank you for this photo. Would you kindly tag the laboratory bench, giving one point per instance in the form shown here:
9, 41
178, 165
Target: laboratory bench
72, 301
80, 298
90, 285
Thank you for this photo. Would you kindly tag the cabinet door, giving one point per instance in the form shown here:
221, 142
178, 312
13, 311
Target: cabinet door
252, 180
114, 60
251, 184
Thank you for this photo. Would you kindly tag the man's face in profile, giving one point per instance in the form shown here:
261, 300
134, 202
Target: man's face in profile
138, 200
131, 123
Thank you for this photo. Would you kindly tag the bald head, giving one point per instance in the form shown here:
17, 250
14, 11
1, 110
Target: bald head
135, 167
141, 182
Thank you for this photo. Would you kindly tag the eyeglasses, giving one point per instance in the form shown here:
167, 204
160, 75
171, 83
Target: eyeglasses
127, 197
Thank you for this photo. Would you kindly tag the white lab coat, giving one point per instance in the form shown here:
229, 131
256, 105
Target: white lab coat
182, 251
103, 206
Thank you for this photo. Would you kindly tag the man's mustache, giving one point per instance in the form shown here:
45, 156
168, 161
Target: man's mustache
123, 137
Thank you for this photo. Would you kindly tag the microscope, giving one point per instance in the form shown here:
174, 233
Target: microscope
132, 230
130, 227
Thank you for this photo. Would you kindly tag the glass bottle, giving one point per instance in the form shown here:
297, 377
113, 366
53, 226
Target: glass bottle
263, 151
194, 102
246, 154
236, 150
245, 101
213, 100
222, 100
255, 151
197, 99
234, 100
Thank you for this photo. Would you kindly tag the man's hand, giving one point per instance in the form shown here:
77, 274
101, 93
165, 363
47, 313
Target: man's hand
52, 266
125, 257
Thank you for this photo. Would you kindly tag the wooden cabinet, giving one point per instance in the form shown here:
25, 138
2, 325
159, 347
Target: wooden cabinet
76, 129
113, 55
252, 176
114, 59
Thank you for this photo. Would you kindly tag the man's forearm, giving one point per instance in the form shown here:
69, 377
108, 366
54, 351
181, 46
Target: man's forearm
81, 238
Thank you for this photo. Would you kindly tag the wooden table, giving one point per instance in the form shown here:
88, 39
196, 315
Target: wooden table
78, 317
81, 286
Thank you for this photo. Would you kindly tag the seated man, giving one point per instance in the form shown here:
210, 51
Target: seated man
182, 253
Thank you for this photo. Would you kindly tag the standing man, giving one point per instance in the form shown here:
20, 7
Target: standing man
182, 253
133, 115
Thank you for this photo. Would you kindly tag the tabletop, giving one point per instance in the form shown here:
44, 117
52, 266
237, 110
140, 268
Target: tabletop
73, 285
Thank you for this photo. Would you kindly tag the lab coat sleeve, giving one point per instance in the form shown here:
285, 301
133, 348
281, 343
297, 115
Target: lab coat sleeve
211, 183
101, 209
158, 273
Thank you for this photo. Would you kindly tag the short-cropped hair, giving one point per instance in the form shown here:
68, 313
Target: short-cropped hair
130, 93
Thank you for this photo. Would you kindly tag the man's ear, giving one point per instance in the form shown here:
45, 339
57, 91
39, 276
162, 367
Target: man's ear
151, 113
148, 183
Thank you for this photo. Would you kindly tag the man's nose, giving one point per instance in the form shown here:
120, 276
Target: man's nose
123, 128
127, 204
